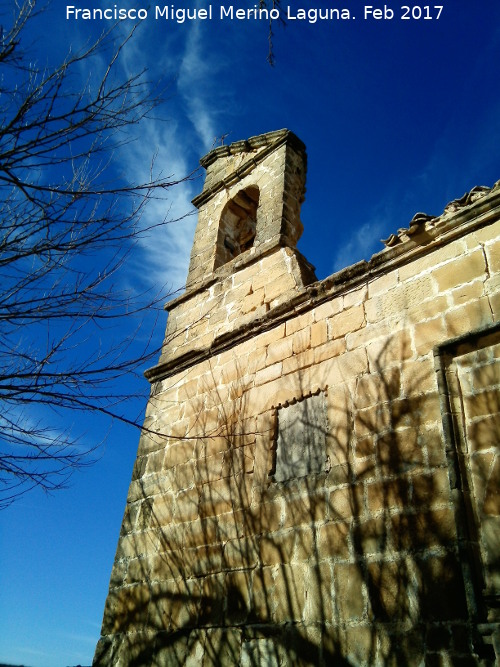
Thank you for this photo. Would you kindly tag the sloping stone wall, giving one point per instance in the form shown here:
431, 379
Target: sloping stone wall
382, 549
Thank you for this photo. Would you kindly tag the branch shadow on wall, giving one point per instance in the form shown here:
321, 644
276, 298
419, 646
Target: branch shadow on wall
354, 564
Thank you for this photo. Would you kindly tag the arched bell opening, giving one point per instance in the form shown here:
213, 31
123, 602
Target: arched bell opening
237, 225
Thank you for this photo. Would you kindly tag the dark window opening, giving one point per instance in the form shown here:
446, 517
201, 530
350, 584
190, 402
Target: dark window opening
237, 225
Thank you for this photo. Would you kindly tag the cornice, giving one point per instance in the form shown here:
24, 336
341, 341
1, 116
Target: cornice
269, 142
457, 220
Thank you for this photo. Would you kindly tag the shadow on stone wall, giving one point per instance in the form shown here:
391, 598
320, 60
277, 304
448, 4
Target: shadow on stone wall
218, 564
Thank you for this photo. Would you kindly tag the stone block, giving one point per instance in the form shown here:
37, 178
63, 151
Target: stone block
349, 602
389, 495
370, 537
470, 316
304, 510
423, 530
224, 495
467, 292
318, 608
355, 297
393, 349
241, 553
289, 594
373, 420
390, 586
268, 517
329, 350
486, 233
272, 394
467, 268
377, 388
238, 461
319, 334
493, 256
418, 376
400, 450
203, 560
164, 509
397, 303
252, 301
483, 403
333, 539
262, 593
212, 445
436, 305
487, 375
441, 589
183, 476
483, 434
346, 367
177, 454
126, 609
263, 651
369, 333
278, 548
299, 322
356, 643
339, 473
232, 525
298, 362
279, 350
430, 260
383, 283
256, 361
415, 411
237, 587
199, 532
273, 271
187, 504
277, 288
432, 489
268, 337
346, 322
327, 309
268, 373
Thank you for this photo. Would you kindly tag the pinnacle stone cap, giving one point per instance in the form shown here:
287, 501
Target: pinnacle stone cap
274, 138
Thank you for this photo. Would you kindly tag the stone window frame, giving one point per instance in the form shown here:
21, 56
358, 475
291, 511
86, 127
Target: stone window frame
325, 468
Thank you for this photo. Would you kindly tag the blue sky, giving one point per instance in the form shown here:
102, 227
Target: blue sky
397, 116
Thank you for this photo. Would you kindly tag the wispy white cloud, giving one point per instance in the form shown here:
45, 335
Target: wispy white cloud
364, 241
195, 83
165, 246
176, 144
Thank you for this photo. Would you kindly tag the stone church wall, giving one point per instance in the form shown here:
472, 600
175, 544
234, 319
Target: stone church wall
318, 478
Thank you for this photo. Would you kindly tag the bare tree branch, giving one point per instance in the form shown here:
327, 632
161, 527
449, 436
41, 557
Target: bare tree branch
69, 219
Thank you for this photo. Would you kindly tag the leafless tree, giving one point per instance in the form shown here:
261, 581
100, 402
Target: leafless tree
68, 220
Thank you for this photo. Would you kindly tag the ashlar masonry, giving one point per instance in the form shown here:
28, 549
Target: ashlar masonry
317, 481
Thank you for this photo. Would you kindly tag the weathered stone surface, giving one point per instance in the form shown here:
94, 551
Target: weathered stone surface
318, 479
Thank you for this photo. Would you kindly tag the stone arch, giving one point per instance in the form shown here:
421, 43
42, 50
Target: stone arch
237, 225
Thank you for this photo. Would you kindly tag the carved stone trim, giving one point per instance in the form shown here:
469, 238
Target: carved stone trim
422, 222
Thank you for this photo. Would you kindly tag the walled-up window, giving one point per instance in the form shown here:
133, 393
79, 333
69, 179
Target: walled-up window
237, 225
300, 446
